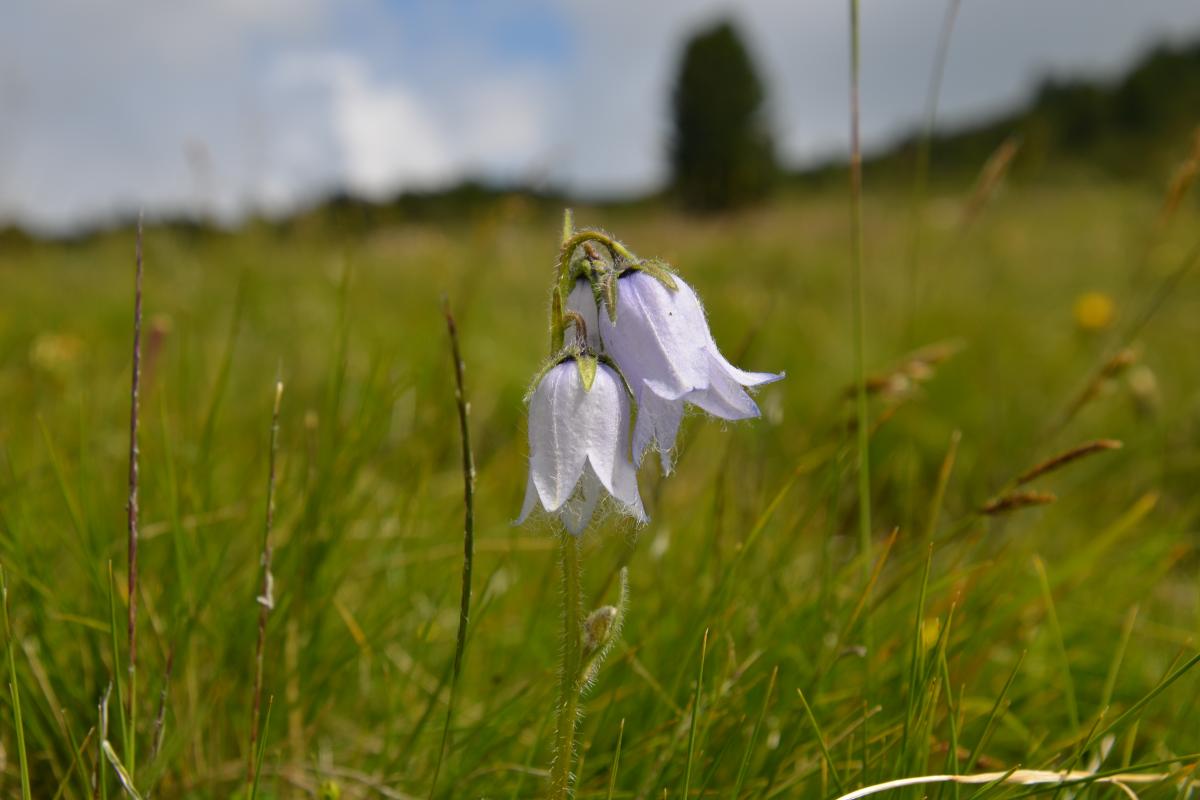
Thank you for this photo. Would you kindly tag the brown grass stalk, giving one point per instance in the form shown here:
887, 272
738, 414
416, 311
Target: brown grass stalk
1062, 459
1181, 181
1013, 501
990, 176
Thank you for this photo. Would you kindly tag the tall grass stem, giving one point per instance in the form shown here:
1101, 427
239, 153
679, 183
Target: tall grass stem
468, 468
266, 597
132, 508
858, 302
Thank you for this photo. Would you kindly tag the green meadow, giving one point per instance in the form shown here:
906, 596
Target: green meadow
764, 653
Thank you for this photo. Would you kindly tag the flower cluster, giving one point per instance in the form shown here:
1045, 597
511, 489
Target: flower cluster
641, 350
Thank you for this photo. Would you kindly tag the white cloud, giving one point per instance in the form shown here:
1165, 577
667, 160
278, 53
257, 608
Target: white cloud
381, 134
229, 105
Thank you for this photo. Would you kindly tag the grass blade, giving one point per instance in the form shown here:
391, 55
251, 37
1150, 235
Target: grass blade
612, 773
744, 770
14, 691
1114, 669
122, 774
262, 748
812, 720
991, 717
1056, 630
691, 752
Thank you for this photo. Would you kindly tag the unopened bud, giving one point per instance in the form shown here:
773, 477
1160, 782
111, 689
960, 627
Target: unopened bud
597, 628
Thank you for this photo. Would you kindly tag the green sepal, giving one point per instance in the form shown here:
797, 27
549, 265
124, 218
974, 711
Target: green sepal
550, 363
609, 285
556, 320
617, 251
660, 270
586, 364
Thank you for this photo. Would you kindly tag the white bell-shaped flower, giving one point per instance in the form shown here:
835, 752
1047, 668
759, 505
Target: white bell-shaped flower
662, 343
579, 446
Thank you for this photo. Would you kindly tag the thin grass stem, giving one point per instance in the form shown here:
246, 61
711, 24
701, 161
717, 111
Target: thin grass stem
266, 596
860, 370
132, 510
858, 301
468, 468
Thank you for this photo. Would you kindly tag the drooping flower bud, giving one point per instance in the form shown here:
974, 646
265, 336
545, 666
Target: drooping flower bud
579, 420
661, 341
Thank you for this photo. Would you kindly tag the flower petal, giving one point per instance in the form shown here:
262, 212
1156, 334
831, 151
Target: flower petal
577, 512
605, 415
660, 335
724, 397
531, 500
740, 375
624, 486
657, 423
557, 448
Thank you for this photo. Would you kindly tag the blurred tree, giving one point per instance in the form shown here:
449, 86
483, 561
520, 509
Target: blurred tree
721, 151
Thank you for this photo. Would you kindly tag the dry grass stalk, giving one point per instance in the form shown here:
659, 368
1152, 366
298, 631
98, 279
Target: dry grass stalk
914, 368
1018, 777
1062, 459
1016, 500
1122, 360
993, 172
1181, 181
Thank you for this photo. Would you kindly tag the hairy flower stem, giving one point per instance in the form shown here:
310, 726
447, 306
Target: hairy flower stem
569, 683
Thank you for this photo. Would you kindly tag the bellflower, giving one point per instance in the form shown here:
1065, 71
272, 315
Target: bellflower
658, 335
579, 420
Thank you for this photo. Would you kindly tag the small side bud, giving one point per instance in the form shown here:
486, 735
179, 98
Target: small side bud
597, 629
568, 226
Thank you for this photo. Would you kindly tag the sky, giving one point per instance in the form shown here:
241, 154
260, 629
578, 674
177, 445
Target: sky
229, 107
